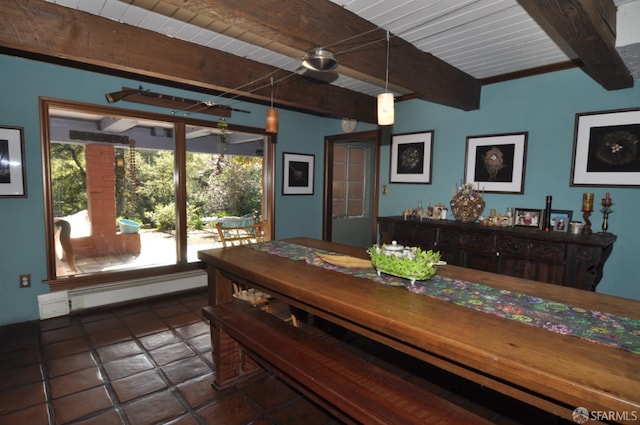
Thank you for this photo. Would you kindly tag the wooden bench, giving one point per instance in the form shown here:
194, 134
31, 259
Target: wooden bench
321, 367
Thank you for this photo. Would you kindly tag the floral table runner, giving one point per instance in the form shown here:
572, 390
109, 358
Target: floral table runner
596, 326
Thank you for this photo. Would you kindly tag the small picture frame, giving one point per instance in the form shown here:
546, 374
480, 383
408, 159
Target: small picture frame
496, 163
605, 151
12, 166
297, 173
528, 217
560, 220
411, 158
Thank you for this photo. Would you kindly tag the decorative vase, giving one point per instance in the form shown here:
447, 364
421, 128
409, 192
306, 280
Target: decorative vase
467, 205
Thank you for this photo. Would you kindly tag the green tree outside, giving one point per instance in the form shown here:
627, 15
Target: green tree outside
217, 185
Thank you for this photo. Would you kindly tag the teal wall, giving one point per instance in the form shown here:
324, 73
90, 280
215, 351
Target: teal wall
22, 225
545, 106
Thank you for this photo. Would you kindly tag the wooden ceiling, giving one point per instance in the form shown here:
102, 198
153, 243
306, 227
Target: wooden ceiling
234, 47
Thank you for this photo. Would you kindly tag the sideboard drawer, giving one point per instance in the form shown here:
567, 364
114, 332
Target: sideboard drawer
453, 237
526, 248
413, 234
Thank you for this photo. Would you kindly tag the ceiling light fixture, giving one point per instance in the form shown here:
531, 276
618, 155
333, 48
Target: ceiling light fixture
386, 114
320, 59
272, 115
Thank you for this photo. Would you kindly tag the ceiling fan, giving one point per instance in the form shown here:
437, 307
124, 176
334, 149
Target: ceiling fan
319, 64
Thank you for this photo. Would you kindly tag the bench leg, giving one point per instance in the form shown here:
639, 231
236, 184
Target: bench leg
232, 363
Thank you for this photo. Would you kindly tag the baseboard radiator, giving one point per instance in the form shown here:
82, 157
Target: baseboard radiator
61, 303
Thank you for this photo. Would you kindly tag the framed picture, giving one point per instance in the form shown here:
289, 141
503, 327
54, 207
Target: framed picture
605, 149
560, 220
496, 163
12, 167
297, 175
411, 157
526, 217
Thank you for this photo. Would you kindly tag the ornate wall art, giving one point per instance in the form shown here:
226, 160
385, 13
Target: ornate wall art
606, 149
411, 157
496, 163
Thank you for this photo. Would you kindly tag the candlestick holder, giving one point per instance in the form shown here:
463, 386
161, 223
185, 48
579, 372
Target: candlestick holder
606, 210
586, 229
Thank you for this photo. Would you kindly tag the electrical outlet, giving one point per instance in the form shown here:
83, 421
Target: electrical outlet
25, 280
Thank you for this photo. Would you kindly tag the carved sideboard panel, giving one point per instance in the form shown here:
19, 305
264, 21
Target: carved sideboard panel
517, 246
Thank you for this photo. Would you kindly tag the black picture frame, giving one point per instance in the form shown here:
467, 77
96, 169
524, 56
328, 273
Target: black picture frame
411, 157
605, 149
12, 165
528, 217
496, 163
297, 173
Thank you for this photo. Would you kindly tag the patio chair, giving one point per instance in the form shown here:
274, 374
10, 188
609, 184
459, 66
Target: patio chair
240, 235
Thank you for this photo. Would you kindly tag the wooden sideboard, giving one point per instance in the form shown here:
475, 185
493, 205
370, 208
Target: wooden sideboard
554, 257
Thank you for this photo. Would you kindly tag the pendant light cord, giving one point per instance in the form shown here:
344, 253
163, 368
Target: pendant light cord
271, 92
386, 77
248, 89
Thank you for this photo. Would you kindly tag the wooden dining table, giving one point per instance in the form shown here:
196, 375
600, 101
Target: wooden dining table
552, 371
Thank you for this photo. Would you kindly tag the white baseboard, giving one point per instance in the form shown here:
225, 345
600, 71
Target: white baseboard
61, 303
53, 304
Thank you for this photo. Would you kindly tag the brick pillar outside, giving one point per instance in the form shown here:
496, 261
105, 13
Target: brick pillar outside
101, 190
101, 193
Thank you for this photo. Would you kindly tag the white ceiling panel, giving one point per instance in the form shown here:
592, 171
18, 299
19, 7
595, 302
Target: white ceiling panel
484, 38
113, 9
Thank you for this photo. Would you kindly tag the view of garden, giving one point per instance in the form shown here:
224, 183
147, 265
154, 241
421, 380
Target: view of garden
218, 185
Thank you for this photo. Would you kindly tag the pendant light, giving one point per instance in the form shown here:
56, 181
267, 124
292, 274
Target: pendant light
272, 115
385, 100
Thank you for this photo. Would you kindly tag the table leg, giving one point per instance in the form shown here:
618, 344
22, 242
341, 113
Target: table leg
219, 286
232, 363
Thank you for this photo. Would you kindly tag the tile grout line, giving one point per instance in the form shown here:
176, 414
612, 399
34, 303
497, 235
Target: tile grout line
44, 371
106, 380
171, 387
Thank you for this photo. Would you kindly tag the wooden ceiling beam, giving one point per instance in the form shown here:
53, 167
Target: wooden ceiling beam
45, 29
294, 27
588, 27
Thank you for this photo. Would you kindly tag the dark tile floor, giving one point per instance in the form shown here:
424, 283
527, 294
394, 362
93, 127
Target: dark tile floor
150, 363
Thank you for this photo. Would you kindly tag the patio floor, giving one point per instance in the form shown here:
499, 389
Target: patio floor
157, 248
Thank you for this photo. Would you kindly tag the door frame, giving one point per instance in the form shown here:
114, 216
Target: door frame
329, 145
